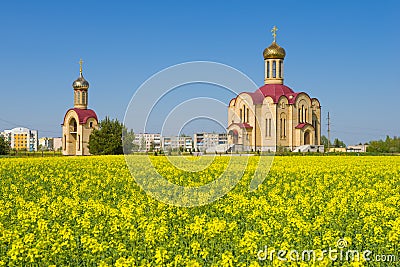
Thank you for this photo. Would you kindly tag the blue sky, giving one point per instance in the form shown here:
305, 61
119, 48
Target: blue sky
345, 53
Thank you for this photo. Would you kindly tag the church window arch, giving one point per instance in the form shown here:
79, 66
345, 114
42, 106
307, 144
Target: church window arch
241, 115
268, 69
244, 113
79, 97
247, 114
270, 127
280, 68
284, 127
299, 115
305, 115
315, 123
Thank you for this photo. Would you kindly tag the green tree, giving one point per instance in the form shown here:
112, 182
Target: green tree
107, 139
128, 138
152, 146
325, 142
338, 143
4, 146
142, 144
390, 145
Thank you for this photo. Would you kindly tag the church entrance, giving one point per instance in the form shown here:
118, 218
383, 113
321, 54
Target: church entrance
307, 138
235, 136
71, 140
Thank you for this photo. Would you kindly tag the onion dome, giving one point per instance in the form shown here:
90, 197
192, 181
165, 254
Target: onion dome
274, 51
80, 83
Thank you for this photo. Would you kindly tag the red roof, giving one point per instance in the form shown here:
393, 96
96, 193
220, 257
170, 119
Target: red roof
243, 125
83, 114
275, 91
302, 125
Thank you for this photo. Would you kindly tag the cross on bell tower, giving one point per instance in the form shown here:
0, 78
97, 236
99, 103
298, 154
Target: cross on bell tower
274, 30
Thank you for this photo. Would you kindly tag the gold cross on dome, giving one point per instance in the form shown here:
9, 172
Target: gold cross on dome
80, 66
274, 30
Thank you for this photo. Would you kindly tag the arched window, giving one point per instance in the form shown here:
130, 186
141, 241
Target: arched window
247, 113
315, 123
244, 113
302, 113
280, 68
270, 126
79, 142
266, 127
299, 115
281, 131
284, 127
305, 115
274, 69
65, 142
83, 97
241, 115
268, 69
79, 97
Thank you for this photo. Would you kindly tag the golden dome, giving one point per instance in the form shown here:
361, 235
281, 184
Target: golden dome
80, 83
274, 51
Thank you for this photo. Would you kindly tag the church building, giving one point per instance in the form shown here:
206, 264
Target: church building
79, 121
274, 116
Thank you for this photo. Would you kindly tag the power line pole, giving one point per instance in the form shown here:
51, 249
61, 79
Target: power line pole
329, 132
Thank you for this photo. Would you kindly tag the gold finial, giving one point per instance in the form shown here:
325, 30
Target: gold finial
80, 67
274, 30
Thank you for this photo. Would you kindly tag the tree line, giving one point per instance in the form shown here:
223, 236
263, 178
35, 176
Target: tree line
389, 145
113, 138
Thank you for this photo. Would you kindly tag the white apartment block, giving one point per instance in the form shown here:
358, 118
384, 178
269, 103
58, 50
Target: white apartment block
46, 143
50, 143
204, 141
148, 141
57, 143
176, 142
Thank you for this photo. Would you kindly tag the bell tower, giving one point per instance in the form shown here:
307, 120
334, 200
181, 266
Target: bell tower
81, 87
273, 58
79, 121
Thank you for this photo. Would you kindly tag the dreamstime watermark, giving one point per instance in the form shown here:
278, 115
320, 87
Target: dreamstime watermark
340, 253
148, 107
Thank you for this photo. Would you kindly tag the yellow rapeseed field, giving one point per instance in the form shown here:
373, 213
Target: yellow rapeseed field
89, 211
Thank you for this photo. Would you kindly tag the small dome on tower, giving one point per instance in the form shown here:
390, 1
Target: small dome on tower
80, 83
274, 51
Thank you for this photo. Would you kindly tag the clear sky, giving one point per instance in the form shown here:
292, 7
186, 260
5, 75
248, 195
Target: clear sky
345, 53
